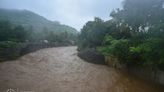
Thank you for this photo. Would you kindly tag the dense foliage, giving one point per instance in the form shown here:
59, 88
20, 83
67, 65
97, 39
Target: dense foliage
24, 25
9, 33
92, 34
18, 28
10, 50
134, 35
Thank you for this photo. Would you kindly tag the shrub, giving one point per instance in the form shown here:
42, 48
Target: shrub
9, 50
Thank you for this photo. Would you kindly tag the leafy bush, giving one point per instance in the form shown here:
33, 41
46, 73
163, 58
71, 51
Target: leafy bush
116, 48
9, 50
134, 35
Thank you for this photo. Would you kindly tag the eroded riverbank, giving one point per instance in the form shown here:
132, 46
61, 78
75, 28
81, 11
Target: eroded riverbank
60, 70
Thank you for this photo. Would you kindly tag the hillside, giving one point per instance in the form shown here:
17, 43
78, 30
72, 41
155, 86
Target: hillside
29, 19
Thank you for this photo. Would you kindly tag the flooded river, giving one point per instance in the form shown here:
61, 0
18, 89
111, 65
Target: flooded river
61, 70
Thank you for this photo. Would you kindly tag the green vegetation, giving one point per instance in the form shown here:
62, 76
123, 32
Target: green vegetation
26, 25
10, 50
30, 20
20, 27
38, 27
10, 33
134, 35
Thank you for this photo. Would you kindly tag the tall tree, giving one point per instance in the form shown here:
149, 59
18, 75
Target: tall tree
140, 13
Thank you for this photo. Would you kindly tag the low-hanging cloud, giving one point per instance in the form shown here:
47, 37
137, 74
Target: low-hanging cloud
71, 12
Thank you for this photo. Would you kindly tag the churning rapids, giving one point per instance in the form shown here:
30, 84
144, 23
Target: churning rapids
61, 70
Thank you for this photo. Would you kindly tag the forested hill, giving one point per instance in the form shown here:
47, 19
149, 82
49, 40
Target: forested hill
29, 19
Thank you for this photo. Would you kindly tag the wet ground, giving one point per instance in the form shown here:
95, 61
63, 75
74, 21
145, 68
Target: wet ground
60, 70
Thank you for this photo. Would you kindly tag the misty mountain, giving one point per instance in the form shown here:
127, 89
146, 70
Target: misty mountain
30, 19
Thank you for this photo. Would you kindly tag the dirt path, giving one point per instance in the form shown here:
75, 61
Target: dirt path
60, 70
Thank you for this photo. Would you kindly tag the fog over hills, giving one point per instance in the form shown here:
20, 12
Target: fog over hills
74, 13
30, 19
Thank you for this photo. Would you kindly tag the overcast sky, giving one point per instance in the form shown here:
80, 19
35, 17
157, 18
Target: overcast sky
70, 12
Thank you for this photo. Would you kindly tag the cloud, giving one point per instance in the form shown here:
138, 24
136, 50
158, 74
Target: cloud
70, 12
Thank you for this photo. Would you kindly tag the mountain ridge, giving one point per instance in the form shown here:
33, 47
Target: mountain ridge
28, 18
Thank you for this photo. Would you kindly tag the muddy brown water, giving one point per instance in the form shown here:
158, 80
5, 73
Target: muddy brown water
61, 70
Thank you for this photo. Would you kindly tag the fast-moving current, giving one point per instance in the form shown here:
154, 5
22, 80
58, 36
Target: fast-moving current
61, 70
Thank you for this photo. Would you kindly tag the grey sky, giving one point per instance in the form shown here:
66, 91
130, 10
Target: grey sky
70, 12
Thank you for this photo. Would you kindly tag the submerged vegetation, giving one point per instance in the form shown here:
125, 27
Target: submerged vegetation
134, 35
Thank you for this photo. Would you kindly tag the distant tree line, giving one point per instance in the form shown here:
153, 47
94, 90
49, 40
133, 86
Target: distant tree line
13, 38
134, 35
9, 32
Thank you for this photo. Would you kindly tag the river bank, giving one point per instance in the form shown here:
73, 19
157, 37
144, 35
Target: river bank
12, 50
145, 73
